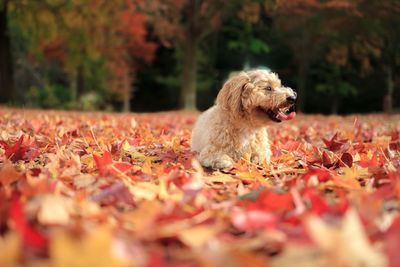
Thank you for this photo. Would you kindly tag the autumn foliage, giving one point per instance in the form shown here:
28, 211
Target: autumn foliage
98, 189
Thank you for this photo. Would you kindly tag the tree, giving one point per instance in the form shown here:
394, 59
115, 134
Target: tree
250, 31
184, 24
79, 35
379, 31
6, 66
302, 24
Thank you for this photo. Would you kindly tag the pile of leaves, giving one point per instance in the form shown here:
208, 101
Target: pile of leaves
97, 189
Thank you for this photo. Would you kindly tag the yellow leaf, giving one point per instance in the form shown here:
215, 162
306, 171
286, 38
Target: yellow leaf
245, 175
126, 146
146, 168
138, 155
351, 173
198, 236
93, 249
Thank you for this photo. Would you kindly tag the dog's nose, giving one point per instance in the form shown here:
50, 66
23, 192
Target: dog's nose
291, 99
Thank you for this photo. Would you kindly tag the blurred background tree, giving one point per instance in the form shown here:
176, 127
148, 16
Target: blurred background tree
341, 55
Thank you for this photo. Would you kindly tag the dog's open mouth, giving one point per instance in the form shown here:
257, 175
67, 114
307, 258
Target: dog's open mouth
279, 115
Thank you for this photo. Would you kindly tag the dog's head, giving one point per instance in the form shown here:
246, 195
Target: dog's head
257, 95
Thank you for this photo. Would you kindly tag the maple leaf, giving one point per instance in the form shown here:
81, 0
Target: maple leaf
15, 152
333, 145
347, 159
326, 161
103, 161
319, 174
373, 162
106, 166
270, 200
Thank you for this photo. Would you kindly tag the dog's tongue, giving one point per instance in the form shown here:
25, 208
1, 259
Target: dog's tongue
283, 117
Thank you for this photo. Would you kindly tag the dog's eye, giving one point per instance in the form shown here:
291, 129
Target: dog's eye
268, 88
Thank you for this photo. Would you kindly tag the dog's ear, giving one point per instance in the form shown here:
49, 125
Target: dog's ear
230, 96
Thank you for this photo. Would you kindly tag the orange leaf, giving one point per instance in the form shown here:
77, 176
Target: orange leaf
8, 174
349, 183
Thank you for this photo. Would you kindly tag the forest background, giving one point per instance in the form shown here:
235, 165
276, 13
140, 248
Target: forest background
342, 56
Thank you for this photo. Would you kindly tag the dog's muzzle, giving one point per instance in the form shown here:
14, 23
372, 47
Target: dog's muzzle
291, 99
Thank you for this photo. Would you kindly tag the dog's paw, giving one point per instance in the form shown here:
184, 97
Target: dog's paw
222, 164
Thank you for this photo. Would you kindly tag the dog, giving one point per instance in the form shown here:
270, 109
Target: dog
237, 123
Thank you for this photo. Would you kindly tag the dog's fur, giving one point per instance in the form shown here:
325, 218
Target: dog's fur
237, 123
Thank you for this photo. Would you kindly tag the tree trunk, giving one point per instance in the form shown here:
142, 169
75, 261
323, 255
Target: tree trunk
301, 90
80, 81
73, 86
388, 98
188, 91
187, 99
6, 66
303, 70
335, 103
126, 94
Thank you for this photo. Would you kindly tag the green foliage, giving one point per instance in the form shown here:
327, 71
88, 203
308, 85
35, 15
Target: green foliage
333, 83
51, 96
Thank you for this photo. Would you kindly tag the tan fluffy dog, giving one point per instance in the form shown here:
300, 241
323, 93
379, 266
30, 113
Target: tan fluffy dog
237, 123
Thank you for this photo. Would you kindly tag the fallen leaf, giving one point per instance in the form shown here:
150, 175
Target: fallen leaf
8, 174
198, 236
16, 151
336, 241
92, 249
10, 250
55, 210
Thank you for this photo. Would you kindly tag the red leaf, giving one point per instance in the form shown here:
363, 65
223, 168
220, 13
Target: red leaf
30, 235
322, 175
291, 145
106, 165
318, 204
102, 162
373, 162
326, 161
346, 159
392, 243
14, 152
332, 145
269, 200
120, 167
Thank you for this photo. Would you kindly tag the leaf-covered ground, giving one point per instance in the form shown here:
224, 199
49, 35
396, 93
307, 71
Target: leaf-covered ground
96, 189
